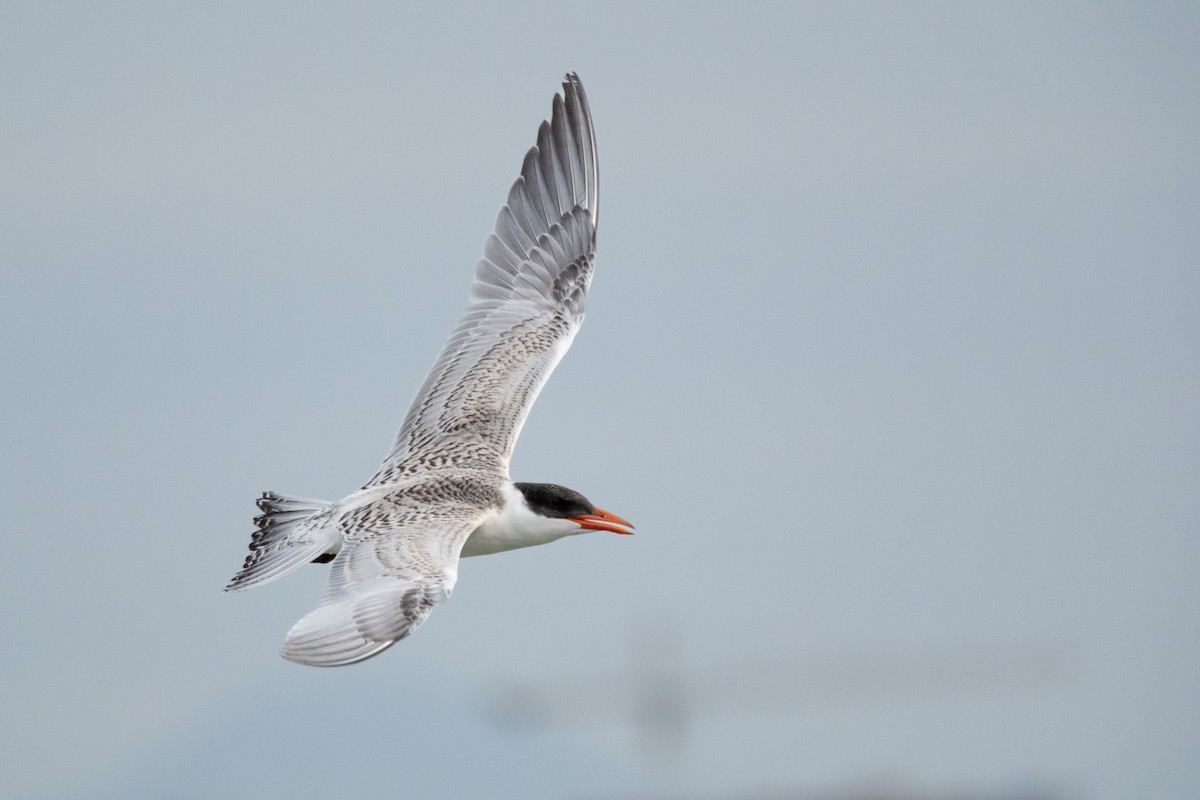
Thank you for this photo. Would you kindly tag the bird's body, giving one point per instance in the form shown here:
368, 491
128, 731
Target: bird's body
444, 492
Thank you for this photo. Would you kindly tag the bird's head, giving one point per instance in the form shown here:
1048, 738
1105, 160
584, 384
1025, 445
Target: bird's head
556, 502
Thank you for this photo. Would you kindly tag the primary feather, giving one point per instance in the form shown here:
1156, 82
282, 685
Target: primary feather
527, 304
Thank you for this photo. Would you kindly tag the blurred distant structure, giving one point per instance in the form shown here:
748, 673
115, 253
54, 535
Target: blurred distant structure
661, 698
870, 792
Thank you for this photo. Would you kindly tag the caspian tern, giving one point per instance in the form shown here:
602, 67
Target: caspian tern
444, 492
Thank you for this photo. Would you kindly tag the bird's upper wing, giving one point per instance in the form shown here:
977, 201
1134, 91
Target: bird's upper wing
526, 306
399, 560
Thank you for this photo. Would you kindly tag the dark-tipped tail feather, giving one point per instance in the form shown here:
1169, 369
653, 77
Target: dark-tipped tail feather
290, 531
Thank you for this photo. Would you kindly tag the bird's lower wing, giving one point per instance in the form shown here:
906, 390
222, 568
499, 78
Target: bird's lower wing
355, 627
382, 587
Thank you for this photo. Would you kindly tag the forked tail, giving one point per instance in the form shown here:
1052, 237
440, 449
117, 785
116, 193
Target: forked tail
290, 531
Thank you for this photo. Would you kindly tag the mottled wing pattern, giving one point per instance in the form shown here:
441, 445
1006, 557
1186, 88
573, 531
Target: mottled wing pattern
527, 304
399, 560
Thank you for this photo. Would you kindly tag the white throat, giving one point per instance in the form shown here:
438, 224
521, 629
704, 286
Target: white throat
514, 526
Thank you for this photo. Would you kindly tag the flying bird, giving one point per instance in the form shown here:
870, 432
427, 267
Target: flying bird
444, 491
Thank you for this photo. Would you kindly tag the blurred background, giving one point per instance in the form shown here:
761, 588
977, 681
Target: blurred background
891, 356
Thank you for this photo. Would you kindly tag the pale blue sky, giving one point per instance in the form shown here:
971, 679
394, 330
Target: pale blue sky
892, 351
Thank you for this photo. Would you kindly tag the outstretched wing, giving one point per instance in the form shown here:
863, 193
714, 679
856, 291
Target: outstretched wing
527, 304
384, 584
